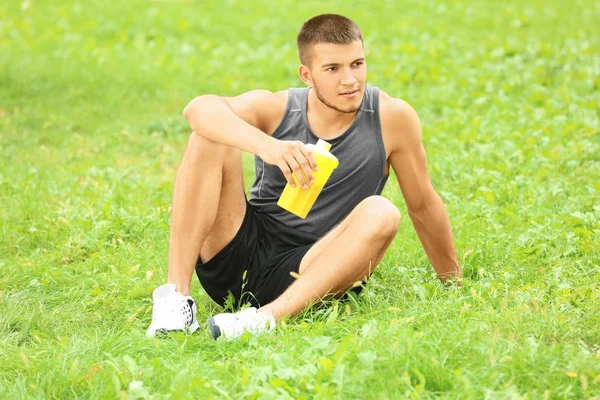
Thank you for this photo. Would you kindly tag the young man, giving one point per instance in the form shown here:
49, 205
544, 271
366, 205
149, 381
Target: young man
263, 254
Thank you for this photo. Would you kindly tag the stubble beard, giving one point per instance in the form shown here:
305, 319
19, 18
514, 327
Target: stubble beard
333, 107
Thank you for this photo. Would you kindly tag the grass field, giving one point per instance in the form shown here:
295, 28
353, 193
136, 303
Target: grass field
91, 135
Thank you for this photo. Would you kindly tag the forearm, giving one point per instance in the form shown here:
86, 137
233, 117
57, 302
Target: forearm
433, 228
211, 117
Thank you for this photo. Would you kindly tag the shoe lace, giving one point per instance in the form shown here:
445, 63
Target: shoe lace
175, 305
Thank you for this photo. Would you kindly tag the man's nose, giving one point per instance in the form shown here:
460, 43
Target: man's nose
348, 78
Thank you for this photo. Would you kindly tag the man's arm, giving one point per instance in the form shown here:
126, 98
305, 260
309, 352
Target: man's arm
242, 122
232, 121
425, 207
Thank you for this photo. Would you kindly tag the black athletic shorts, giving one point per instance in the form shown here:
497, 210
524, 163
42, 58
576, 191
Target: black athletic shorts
255, 266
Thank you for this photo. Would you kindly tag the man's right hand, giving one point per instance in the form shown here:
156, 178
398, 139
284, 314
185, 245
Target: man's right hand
291, 157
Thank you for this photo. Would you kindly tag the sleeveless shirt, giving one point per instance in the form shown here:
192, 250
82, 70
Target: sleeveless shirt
360, 173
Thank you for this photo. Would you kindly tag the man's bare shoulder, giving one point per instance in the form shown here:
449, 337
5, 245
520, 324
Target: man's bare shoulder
400, 124
395, 111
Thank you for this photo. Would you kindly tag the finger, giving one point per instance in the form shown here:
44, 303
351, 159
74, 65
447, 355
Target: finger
305, 165
297, 170
308, 153
287, 173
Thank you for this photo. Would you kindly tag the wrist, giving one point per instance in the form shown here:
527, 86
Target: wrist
262, 144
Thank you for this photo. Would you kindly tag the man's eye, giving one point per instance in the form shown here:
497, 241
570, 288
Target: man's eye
358, 63
331, 69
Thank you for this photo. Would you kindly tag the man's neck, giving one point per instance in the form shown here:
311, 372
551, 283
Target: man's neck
324, 121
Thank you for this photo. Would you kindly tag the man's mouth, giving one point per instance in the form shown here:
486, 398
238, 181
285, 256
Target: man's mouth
350, 93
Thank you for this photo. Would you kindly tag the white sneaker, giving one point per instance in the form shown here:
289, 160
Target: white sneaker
232, 326
172, 311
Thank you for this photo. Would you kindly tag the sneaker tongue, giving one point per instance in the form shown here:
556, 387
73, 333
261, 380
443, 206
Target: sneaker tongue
248, 311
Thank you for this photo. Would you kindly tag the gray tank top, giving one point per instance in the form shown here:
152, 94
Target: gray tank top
360, 174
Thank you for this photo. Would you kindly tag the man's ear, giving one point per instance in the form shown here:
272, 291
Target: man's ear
304, 74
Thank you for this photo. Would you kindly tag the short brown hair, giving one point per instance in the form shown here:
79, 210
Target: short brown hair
325, 28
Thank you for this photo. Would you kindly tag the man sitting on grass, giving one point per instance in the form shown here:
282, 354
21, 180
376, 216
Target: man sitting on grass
261, 253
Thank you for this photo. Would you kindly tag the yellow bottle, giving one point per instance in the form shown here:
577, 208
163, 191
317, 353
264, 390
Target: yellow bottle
298, 201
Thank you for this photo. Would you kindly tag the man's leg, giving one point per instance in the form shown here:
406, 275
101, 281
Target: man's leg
343, 256
208, 207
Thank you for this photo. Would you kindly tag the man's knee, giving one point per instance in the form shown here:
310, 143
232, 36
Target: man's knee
200, 147
380, 217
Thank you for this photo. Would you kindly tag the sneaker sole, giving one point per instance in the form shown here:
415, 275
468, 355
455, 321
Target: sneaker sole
194, 326
162, 332
214, 329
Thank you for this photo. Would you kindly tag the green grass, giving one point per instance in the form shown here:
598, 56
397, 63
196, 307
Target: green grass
91, 135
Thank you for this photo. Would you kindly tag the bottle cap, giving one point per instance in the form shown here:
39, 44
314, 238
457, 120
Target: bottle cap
323, 144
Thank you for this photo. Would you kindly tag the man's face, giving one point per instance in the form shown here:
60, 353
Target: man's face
339, 75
